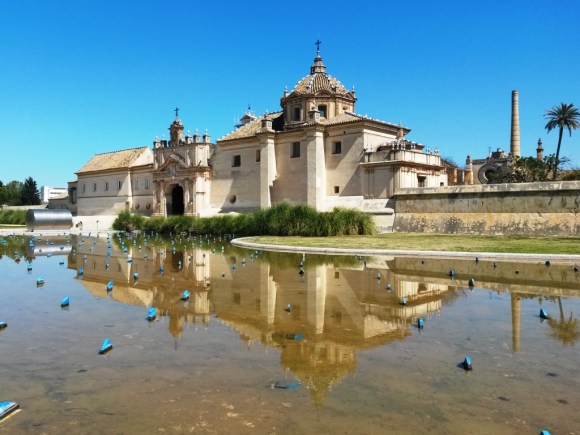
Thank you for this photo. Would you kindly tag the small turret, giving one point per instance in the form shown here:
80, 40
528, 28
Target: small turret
540, 150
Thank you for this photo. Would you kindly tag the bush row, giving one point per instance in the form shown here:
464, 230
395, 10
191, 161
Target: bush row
12, 217
280, 220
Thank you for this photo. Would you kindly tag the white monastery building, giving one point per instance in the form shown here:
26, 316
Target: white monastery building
315, 150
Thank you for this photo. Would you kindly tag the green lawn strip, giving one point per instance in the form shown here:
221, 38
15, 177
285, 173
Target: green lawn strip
436, 242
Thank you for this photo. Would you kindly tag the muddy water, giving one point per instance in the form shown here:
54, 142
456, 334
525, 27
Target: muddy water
211, 364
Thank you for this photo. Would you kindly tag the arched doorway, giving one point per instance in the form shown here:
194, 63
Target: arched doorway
177, 207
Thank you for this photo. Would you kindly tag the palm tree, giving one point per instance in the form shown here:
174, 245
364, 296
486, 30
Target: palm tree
562, 116
566, 330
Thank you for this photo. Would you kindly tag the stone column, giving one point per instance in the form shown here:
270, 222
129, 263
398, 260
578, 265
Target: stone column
316, 285
129, 190
186, 197
268, 290
155, 198
315, 169
267, 169
162, 200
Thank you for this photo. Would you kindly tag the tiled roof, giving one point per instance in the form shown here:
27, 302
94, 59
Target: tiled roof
113, 160
317, 82
251, 128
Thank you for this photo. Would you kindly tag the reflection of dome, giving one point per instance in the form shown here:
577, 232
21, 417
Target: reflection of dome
319, 365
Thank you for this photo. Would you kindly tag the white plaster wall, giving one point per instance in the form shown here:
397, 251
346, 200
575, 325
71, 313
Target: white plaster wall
290, 184
242, 182
343, 169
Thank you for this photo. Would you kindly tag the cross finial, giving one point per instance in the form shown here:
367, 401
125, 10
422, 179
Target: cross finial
176, 110
317, 43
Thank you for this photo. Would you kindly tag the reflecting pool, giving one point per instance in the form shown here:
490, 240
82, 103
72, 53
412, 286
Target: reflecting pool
261, 348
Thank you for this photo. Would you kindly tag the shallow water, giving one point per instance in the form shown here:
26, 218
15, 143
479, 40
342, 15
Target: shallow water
210, 365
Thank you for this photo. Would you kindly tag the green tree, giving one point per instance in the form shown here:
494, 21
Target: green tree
561, 117
10, 193
524, 170
29, 194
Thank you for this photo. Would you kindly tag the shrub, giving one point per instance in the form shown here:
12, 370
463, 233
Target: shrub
127, 221
13, 217
281, 220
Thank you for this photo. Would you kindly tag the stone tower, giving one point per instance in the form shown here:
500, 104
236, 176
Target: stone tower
540, 150
515, 137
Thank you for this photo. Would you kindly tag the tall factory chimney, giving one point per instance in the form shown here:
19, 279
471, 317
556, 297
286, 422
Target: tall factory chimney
515, 137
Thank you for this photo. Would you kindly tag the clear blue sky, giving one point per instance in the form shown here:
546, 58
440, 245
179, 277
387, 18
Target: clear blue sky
85, 77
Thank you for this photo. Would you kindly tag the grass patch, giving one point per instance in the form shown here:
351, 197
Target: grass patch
436, 242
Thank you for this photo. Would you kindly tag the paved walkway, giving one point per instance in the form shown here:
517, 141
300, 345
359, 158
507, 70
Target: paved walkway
81, 225
244, 243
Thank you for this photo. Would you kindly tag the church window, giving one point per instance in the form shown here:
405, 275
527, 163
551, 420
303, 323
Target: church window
336, 189
296, 113
322, 110
94, 187
295, 150
137, 184
119, 185
421, 180
237, 161
106, 186
84, 189
337, 148
147, 183
258, 155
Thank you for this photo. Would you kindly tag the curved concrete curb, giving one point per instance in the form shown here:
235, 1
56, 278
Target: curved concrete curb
243, 243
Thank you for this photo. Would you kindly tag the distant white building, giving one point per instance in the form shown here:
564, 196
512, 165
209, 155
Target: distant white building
47, 193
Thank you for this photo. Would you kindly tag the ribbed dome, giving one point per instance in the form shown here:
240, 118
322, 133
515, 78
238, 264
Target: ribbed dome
319, 81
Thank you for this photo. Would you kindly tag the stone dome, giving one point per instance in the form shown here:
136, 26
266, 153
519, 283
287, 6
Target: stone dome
318, 81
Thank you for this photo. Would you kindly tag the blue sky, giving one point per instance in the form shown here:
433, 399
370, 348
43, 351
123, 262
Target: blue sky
85, 77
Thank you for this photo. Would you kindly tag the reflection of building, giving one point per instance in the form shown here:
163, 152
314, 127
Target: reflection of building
182, 270
316, 150
337, 313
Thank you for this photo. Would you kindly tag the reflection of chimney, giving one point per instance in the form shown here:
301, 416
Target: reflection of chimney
516, 304
515, 138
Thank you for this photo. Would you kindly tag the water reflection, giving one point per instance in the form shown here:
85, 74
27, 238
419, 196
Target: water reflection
339, 307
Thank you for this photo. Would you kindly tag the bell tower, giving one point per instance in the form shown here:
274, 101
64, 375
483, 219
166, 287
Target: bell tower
176, 130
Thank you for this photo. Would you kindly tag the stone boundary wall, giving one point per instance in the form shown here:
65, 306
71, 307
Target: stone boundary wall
533, 209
